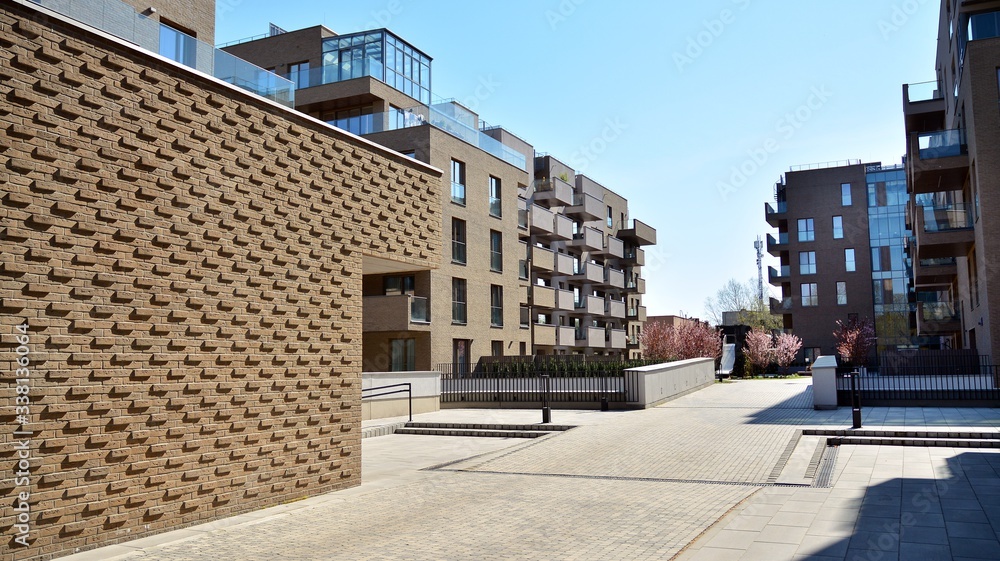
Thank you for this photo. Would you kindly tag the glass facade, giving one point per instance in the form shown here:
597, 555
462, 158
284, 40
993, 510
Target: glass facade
891, 270
381, 55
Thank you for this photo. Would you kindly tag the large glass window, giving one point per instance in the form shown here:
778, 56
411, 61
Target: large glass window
809, 295
496, 207
807, 230
841, 293
807, 262
496, 305
397, 286
496, 251
849, 262
457, 182
458, 241
458, 301
178, 46
838, 227
845, 194
381, 55
404, 355
298, 73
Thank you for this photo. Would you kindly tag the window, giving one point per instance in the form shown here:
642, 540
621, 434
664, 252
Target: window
841, 293
404, 355
809, 295
811, 354
458, 301
458, 241
397, 286
611, 217
807, 230
298, 73
496, 305
178, 46
496, 208
496, 251
845, 194
807, 262
496, 348
838, 227
458, 182
849, 260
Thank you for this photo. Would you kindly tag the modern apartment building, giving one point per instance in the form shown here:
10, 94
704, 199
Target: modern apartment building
183, 265
953, 174
538, 260
840, 242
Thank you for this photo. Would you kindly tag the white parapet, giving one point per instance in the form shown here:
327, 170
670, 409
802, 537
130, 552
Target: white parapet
652, 385
425, 388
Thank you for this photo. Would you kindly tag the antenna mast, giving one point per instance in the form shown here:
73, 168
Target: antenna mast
759, 246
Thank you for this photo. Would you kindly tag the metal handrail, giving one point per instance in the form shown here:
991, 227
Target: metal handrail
408, 390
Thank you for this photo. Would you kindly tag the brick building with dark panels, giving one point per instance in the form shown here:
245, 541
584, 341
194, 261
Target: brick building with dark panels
189, 258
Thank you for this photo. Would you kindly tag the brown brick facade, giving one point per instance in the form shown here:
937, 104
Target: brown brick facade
188, 258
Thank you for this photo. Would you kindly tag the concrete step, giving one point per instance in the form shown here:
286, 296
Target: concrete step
473, 432
490, 426
927, 442
879, 433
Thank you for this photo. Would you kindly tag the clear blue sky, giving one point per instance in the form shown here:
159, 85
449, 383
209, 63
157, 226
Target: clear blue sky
619, 91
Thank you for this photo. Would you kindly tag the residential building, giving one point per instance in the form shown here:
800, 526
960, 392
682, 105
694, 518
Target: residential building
538, 260
953, 177
184, 256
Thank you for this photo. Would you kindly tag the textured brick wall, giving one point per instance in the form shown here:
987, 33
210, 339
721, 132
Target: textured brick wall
188, 259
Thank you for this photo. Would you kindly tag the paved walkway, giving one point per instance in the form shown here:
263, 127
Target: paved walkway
695, 479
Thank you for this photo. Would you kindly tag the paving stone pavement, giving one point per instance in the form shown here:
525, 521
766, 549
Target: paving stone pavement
687, 479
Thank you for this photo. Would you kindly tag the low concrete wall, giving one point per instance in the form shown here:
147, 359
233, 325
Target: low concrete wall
426, 388
824, 381
650, 386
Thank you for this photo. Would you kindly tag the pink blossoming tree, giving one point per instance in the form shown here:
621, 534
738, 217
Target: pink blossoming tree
855, 340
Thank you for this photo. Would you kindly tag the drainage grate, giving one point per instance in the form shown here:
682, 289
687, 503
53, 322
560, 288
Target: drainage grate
824, 479
783, 458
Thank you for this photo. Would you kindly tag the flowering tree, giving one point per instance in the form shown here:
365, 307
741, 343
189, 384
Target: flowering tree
855, 340
758, 349
786, 348
688, 340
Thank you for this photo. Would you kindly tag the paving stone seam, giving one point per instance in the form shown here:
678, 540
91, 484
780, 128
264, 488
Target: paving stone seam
718, 525
628, 478
493, 454
779, 466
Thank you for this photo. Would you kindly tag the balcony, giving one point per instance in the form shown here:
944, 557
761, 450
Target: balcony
589, 273
592, 337
779, 307
587, 186
922, 102
542, 259
544, 297
929, 272
522, 214
590, 239
774, 214
563, 228
632, 342
776, 277
634, 257
615, 339
585, 207
395, 313
545, 335
121, 20
615, 309
937, 161
591, 305
637, 313
613, 247
614, 278
938, 318
542, 221
943, 231
776, 246
637, 285
564, 264
566, 336
554, 192
565, 300
640, 233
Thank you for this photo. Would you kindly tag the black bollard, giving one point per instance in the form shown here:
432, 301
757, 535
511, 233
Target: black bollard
856, 399
546, 411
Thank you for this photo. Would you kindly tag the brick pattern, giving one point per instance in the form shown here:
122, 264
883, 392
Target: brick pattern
189, 260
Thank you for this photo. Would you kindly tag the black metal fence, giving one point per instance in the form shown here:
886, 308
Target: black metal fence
945, 378
513, 381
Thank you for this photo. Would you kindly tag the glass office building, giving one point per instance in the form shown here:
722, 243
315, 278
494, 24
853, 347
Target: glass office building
891, 268
381, 55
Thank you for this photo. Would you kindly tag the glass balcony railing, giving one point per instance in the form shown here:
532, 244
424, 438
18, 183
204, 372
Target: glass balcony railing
495, 207
941, 144
522, 218
458, 252
496, 317
522, 269
333, 73
923, 91
779, 207
938, 262
457, 193
496, 261
943, 218
938, 311
121, 20
420, 310
458, 312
